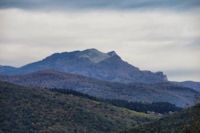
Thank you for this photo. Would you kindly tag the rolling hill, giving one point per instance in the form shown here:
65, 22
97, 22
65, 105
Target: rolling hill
158, 92
92, 63
186, 121
39, 110
157, 108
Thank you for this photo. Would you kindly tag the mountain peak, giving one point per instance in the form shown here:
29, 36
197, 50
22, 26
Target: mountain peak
112, 53
91, 50
93, 55
93, 63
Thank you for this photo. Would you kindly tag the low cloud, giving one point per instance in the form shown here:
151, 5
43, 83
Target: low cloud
158, 40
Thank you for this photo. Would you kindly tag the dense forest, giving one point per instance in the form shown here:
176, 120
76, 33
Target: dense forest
43, 110
158, 107
40, 110
135, 92
186, 121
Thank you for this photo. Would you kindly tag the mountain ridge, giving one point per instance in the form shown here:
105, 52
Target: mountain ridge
190, 84
157, 92
92, 63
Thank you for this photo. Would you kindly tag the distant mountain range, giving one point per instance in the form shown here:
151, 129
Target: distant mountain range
157, 92
190, 84
92, 63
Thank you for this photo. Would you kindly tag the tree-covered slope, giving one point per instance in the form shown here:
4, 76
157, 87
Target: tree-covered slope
158, 107
157, 92
186, 121
39, 110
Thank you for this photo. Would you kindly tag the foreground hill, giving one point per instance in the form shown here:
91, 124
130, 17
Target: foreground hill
91, 63
158, 92
187, 121
38, 110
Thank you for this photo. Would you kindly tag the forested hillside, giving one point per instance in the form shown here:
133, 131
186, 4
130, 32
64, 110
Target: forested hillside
39, 110
140, 92
186, 121
159, 107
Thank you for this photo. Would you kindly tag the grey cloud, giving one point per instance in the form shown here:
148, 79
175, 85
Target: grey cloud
98, 4
180, 74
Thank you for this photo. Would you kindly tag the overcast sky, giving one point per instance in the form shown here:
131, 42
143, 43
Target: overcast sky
156, 35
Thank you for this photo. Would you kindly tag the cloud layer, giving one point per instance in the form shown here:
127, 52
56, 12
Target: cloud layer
98, 4
152, 40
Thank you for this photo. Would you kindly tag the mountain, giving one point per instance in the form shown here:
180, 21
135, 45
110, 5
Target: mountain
4, 69
39, 110
186, 121
190, 84
92, 63
157, 92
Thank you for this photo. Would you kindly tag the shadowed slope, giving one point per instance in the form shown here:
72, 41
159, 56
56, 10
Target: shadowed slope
159, 92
